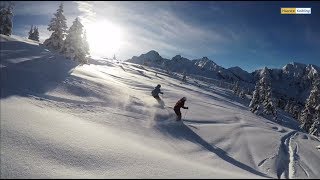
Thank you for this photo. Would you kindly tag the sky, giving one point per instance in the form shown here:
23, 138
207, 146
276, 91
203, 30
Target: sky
247, 34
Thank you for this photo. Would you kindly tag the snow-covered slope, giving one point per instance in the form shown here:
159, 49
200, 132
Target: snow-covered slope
59, 120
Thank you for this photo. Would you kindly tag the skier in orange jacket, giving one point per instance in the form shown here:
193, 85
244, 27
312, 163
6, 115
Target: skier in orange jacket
180, 104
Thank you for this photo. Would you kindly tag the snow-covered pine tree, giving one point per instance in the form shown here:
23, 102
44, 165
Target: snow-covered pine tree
236, 88
315, 128
36, 34
310, 113
242, 95
85, 43
184, 77
30, 32
59, 27
288, 107
262, 102
73, 46
6, 16
296, 111
255, 99
281, 103
269, 108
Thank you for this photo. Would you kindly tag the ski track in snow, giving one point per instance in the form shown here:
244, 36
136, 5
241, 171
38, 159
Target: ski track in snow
287, 158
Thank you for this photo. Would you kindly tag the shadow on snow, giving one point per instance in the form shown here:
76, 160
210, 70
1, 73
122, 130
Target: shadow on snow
182, 131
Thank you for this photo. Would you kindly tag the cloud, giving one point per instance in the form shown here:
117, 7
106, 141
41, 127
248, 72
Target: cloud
47, 8
148, 27
86, 8
35, 7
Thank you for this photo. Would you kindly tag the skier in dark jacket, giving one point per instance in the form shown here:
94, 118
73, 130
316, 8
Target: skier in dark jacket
156, 91
180, 104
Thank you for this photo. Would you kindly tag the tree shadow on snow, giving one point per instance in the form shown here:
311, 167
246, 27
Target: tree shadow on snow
182, 131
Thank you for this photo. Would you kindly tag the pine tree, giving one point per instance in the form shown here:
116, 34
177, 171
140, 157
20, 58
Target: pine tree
36, 34
73, 47
255, 98
269, 108
236, 88
315, 128
6, 16
59, 27
262, 102
184, 78
311, 113
295, 111
242, 95
287, 107
30, 33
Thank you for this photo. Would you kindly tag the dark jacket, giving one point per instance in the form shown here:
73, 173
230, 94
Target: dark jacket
156, 91
180, 104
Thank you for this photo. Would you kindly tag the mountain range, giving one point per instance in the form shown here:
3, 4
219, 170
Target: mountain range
293, 81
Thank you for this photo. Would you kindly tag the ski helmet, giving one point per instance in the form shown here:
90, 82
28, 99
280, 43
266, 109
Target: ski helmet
184, 98
158, 85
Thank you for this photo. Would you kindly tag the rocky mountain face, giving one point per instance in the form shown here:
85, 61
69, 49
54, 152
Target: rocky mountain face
152, 58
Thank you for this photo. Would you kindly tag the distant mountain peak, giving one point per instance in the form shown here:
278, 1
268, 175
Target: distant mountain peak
153, 52
297, 64
236, 68
151, 57
177, 57
205, 58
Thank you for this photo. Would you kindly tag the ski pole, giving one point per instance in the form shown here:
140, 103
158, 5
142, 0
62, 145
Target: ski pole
185, 114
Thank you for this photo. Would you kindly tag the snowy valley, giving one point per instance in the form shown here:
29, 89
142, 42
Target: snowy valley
99, 120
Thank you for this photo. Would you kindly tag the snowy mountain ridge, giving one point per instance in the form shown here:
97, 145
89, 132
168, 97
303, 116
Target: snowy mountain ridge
294, 76
241, 74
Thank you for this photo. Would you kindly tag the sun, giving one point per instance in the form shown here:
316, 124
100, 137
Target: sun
104, 38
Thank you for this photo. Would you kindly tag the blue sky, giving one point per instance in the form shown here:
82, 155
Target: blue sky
250, 35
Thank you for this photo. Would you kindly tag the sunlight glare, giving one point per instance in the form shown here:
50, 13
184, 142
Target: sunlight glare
104, 38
